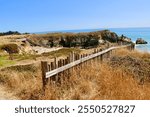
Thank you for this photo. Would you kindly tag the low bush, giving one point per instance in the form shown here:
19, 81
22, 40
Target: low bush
10, 48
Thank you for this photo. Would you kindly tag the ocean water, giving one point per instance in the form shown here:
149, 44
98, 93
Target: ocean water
135, 33
132, 33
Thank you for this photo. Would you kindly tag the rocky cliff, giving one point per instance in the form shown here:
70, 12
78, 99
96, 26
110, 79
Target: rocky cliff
90, 39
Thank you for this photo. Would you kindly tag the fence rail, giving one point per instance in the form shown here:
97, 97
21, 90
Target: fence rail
56, 67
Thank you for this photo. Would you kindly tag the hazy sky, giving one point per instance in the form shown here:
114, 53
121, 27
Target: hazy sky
50, 15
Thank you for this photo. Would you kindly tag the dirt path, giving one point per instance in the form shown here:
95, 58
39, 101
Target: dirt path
6, 95
41, 50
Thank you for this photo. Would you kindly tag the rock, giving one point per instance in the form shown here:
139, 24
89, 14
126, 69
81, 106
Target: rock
87, 39
125, 39
109, 36
140, 41
101, 41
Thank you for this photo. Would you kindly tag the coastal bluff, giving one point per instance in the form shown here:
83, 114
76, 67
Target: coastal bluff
84, 40
40, 43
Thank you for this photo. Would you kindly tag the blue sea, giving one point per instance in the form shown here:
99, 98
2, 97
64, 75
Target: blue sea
132, 33
135, 33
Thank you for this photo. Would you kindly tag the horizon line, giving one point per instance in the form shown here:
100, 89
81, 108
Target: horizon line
65, 30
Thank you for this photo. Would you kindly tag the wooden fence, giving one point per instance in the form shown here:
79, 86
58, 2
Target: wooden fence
50, 71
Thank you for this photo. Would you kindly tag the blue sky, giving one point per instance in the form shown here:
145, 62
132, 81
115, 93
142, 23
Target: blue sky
51, 15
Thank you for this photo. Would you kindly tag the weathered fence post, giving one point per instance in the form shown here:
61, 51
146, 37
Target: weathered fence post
108, 54
94, 51
55, 67
61, 73
133, 46
101, 58
68, 71
81, 65
44, 67
49, 79
53, 77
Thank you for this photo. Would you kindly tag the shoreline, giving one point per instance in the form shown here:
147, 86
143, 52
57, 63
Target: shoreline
143, 47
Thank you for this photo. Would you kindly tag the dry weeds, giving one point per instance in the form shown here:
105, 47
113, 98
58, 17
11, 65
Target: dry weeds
94, 81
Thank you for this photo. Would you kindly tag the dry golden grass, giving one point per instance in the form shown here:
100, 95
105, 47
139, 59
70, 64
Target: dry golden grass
21, 80
10, 39
135, 53
99, 82
134, 62
94, 81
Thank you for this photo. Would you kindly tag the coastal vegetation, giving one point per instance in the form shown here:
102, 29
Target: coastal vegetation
84, 40
21, 47
124, 76
5, 61
10, 33
10, 48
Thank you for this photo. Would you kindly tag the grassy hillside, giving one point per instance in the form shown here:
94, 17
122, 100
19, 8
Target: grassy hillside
4, 61
118, 78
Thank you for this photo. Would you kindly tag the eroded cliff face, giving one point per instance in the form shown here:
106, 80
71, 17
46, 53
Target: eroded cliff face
84, 40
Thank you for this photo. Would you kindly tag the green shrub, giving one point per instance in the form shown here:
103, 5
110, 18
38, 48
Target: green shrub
10, 48
10, 33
